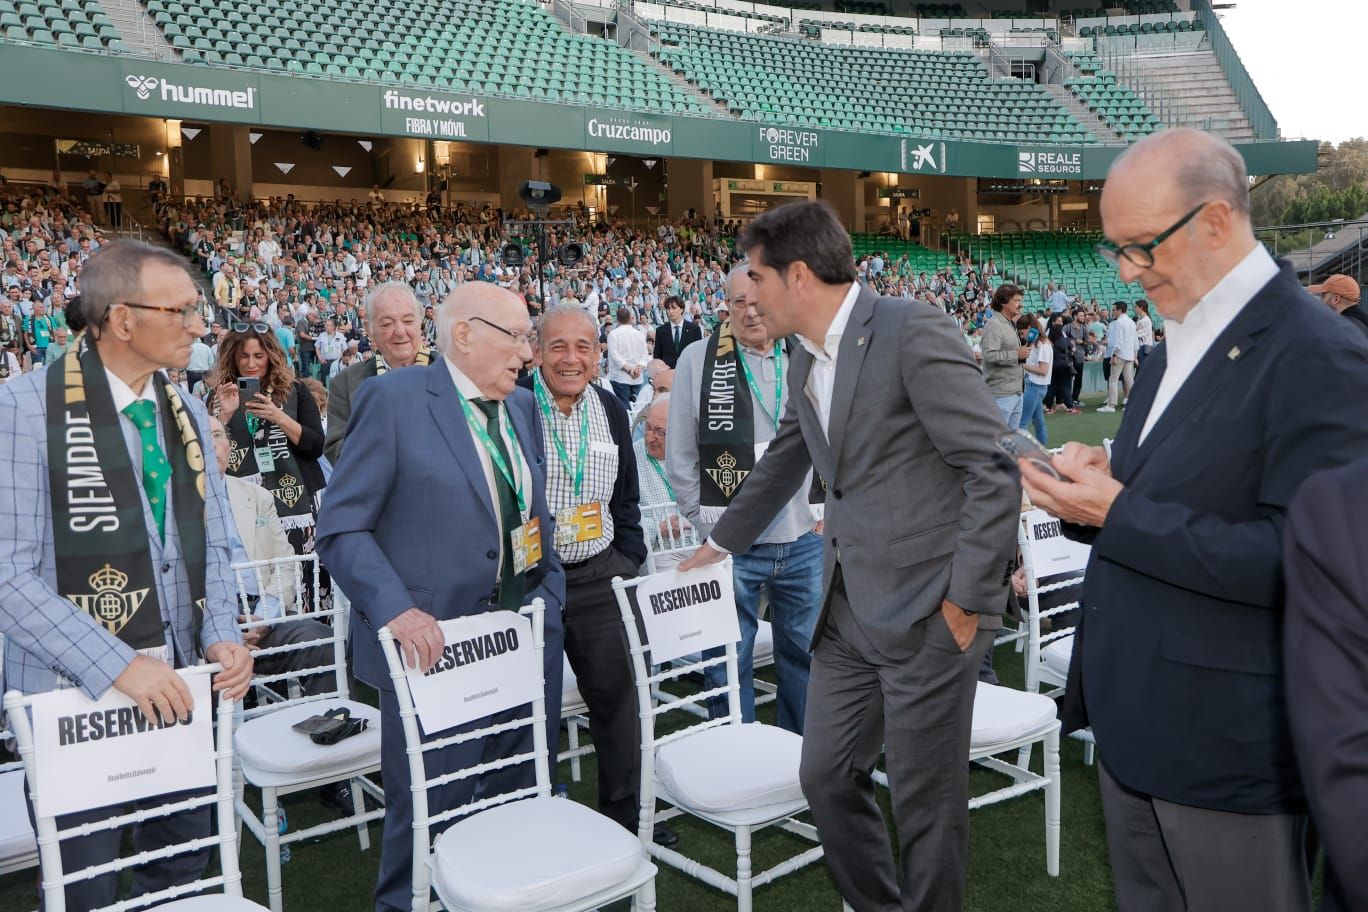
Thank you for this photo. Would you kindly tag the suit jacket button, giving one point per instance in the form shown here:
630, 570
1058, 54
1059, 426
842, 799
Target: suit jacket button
836, 492
492, 555
166, 568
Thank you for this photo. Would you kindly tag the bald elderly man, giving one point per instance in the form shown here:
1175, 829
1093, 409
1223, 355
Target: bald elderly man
1178, 659
443, 464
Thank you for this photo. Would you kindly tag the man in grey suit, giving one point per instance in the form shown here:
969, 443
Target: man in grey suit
394, 324
108, 427
890, 410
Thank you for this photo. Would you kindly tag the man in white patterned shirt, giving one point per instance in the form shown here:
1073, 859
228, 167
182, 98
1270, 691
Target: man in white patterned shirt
591, 489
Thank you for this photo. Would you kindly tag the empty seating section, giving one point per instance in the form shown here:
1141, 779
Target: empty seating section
495, 47
792, 81
1132, 7
1116, 104
919, 259
60, 23
1033, 259
780, 20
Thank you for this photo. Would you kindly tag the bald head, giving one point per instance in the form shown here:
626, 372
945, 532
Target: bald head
485, 331
1176, 208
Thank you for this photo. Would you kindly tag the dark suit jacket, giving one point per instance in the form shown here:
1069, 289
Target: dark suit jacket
625, 505
1326, 641
408, 520
1177, 662
918, 508
664, 341
1357, 315
341, 391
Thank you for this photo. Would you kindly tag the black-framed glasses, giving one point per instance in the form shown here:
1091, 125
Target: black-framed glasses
255, 327
1142, 255
519, 338
188, 313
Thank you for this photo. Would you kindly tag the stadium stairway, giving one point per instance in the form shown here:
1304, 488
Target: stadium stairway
1194, 90
1094, 124
720, 107
139, 32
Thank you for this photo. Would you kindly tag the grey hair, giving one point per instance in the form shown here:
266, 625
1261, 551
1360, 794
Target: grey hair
740, 268
113, 275
446, 322
401, 289
565, 310
1206, 166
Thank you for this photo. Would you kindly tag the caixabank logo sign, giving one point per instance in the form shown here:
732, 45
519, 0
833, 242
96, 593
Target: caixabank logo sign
923, 157
147, 88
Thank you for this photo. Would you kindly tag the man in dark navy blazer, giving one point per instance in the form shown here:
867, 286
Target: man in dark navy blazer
416, 529
1326, 642
1177, 663
673, 337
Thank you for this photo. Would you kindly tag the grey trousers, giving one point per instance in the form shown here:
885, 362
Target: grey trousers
916, 710
1168, 857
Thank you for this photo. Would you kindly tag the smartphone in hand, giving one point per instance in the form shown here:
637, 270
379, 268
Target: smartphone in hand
1023, 446
249, 388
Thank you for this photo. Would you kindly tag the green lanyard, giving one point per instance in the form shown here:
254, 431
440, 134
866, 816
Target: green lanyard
778, 385
576, 476
655, 464
478, 429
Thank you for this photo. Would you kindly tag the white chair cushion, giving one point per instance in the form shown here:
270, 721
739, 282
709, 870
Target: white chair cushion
17, 841
538, 853
267, 742
1003, 714
217, 902
732, 767
572, 704
1057, 654
764, 645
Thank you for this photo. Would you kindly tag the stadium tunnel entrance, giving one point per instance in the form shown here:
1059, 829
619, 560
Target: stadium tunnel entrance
196, 158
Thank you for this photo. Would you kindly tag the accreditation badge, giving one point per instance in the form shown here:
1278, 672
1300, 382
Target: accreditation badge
527, 545
581, 523
265, 459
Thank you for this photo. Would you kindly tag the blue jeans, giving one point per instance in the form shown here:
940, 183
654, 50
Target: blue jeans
1033, 411
1009, 407
626, 392
791, 574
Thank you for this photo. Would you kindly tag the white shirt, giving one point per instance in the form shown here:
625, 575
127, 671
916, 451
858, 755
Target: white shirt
1041, 353
467, 389
1187, 342
201, 357
1144, 331
1121, 338
627, 348
822, 378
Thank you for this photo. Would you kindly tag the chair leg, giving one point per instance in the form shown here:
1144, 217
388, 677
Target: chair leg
572, 727
270, 821
1089, 753
743, 869
1052, 797
1024, 756
645, 899
359, 808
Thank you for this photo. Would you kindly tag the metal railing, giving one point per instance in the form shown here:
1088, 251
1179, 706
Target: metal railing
1251, 101
1318, 249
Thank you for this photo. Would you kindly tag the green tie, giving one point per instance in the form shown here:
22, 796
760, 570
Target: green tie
156, 470
511, 585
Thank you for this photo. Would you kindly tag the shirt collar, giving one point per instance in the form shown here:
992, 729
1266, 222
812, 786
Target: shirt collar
124, 395
464, 385
1219, 306
832, 340
574, 406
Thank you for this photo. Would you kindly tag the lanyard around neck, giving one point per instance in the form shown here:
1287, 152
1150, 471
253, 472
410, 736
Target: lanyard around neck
500, 465
778, 384
576, 472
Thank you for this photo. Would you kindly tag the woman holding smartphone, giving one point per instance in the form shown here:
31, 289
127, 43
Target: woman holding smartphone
1039, 370
274, 428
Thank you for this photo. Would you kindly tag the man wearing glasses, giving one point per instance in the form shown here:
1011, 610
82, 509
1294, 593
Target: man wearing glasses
1178, 659
456, 440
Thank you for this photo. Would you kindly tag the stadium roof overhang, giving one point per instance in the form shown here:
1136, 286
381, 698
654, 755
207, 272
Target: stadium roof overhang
133, 86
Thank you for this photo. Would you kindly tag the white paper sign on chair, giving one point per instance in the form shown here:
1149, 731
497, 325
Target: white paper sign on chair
94, 753
1052, 554
688, 612
489, 665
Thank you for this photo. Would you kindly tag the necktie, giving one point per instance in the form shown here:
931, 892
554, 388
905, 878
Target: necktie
676, 334
156, 471
511, 585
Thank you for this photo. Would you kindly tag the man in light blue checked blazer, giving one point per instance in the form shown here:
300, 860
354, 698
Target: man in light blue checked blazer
140, 304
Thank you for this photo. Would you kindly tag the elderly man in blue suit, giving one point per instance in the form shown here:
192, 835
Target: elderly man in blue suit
108, 503
443, 465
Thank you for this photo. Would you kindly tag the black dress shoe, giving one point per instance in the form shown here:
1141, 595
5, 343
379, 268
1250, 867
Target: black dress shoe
663, 835
338, 797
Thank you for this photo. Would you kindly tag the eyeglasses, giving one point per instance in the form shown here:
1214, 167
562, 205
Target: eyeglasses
1142, 255
255, 327
655, 431
188, 314
519, 338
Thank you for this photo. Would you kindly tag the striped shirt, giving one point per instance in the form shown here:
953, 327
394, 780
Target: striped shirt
600, 470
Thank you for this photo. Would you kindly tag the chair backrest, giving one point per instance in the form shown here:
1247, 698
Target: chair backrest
473, 674
55, 879
706, 650
670, 538
284, 579
1054, 568
6, 736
